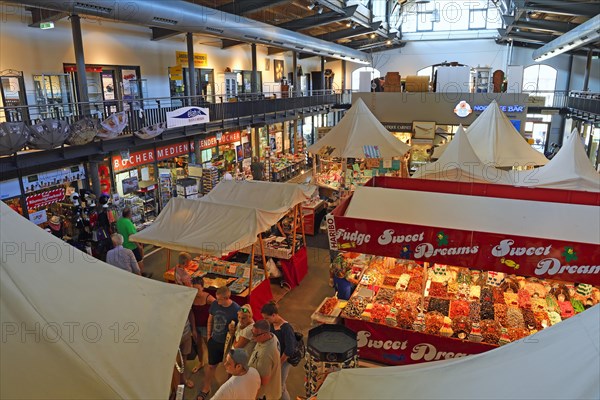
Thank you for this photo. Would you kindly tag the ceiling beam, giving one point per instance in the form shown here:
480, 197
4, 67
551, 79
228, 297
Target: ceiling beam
274, 50
242, 7
545, 26
559, 7
350, 32
537, 37
319, 19
226, 43
162, 33
40, 15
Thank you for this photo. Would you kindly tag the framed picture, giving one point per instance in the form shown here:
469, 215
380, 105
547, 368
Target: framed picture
424, 129
239, 152
130, 185
278, 70
247, 149
267, 64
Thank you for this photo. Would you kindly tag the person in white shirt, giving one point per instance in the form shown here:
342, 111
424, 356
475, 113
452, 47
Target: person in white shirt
244, 382
121, 257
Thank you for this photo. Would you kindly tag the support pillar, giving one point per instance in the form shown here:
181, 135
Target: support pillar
323, 74
191, 69
295, 78
588, 68
93, 171
82, 86
343, 76
254, 78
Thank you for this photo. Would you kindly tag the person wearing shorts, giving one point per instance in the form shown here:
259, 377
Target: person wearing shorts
221, 313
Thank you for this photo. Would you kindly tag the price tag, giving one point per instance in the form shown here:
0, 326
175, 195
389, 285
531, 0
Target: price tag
231, 269
247, 273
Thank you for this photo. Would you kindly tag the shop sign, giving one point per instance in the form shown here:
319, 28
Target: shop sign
10, 189
186, 116
38, 217
45, 198
172, 150
176, 73
200, 59
507, 109
394, 346
72, 68
208, 142
134, 160
230, 137
331, 232
538, 257
463, 109
398, 126
55, 177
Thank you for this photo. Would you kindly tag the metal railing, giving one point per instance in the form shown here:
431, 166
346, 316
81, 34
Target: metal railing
553, 98
586, 102
147, 112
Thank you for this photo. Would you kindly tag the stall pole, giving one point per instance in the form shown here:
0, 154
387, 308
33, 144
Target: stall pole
168, 259
302, 225
294, 228
264, 257
251, 271
343, 178
424, 284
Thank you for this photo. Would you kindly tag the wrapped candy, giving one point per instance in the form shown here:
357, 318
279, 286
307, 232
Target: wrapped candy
524, 298
403, 281
529, 320
463, 291
461, 327
440, 305
474, 311
504, 337
419, 324
487, 310
408, 300
538, 305
514, 318
355, 307
433, 322
566, 309
511, 299
517, 333
554, 317
458, 308
498, 296
487, 295
385, 296
475, 335
474, 293
446, 329
500, 313
490, 331
438, 289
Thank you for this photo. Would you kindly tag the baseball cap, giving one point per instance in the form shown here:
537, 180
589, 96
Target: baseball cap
263, 325
240, 356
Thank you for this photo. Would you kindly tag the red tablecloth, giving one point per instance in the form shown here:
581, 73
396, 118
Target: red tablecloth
296, 268
260, 296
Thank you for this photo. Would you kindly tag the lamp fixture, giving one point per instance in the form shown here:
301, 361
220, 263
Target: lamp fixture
372, 36
311, 6
389, 42
349, 24
319, 10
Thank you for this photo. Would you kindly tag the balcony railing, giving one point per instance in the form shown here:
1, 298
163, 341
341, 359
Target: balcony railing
585, 103
147, 112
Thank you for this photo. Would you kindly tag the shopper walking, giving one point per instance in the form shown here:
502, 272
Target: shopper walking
221, 313
121, 257
244, 382
243, 330
126, 228
200, 309
258, 169
287, 341
266, 359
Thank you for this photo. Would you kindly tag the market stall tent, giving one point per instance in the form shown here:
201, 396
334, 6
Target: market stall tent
75, 327
205, 227
439, 150
358, 128
265, 196
569, 169
459, 163
559, 362
497, 142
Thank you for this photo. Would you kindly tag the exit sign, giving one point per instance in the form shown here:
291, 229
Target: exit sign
46, 25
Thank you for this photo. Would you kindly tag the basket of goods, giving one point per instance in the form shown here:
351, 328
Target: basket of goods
434, 321
438, 289
458, 308
385, 296
405, 317
440, 305
461, 327
355, 307
490, 331
408, 300
328, 306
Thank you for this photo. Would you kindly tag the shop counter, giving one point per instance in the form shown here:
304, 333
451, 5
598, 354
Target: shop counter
295, 268
394, 346
311, 216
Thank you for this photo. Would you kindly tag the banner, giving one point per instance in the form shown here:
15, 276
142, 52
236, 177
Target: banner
45, 198
173, 150
135, 159
186, 116
511, 254
394, 346
200, 59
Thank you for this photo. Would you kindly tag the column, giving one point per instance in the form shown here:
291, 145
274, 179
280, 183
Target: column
93, 171
82, 87
295, 78
254, 77
323, 74
588, 68
191, 69
343, 76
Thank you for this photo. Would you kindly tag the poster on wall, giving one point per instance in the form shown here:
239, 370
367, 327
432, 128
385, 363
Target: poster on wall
424, 130
278, 70
186, 116
247, 149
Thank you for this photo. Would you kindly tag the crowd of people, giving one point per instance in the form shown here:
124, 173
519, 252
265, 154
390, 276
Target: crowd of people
254, 353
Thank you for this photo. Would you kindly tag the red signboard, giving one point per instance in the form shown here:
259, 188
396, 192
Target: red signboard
135, 159
72, 68
173, 150
538, 257
226, 138
394, 346
45, 198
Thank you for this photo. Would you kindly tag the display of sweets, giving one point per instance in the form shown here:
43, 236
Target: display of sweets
446, 329
433, 322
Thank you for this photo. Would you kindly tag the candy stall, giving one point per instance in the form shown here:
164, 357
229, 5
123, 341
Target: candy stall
460, 269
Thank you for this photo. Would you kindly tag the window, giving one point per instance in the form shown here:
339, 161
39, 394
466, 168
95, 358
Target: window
477, 18
540, 80
425, 17
356, 77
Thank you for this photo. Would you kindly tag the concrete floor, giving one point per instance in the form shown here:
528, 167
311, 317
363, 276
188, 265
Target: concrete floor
296, 306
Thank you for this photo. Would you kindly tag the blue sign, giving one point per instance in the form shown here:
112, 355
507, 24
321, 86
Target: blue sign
506, 109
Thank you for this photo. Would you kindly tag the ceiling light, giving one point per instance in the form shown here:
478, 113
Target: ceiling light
354, 26
311, 6
372, 36
388, 42
319, 10
349, 24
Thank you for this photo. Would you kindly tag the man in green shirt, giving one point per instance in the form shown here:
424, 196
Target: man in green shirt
126, 228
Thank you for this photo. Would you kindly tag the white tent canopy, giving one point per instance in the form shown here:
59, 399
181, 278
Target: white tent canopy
569, 169
75, 327
439, 150
459, 163
359, 128
497, 142
205, 227
559, 362
572, 222
266, 196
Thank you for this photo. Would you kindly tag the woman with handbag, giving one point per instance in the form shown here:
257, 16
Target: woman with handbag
287, 341
200, 308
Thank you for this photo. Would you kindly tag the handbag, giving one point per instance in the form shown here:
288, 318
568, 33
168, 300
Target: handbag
299, 352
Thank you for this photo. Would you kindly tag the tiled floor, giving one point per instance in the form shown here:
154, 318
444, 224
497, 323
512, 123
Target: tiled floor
296, 306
